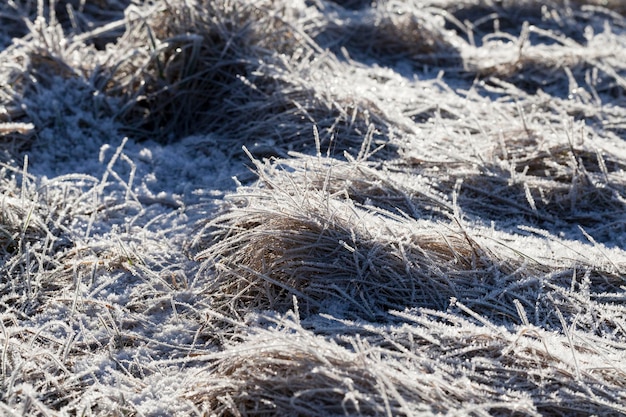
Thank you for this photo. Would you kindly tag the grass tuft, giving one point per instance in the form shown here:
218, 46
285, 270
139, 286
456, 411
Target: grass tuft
312, 208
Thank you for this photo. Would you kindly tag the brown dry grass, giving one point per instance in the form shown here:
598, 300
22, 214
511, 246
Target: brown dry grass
431, 220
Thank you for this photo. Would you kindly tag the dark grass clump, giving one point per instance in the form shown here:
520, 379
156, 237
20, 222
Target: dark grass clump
282, 110
205, 67
190, 57
386, 33
355, 4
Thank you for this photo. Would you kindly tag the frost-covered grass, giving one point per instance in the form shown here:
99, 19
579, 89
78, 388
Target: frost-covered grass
312, 208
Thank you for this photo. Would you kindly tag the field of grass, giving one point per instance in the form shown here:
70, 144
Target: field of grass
312, 208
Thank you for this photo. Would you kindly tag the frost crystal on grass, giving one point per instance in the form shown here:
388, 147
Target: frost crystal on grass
312, 208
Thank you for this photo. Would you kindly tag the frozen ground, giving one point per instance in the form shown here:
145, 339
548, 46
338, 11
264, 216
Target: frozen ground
313, 208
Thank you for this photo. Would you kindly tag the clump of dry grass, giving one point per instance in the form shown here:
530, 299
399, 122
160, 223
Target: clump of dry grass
287, 238
193, 56
431, 363
310, 375
201, 67
299, 235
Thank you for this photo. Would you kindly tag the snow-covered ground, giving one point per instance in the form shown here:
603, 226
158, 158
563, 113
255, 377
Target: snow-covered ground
312, 208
